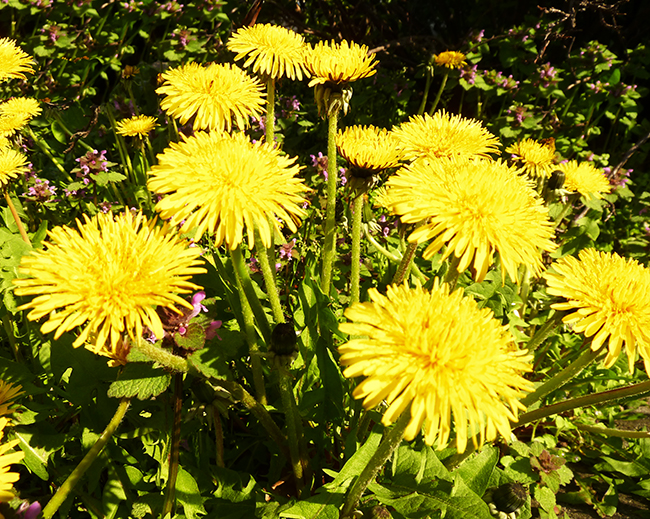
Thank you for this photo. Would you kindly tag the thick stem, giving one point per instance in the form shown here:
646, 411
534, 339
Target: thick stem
14, 213
163, 357
357, 209
270, 110
391, 440
64, 490
218, 436
170, 490
42, 144
289, 405
329, 246
269, 278
437, 99
392, 257
452, 274
427, 85
544, 331
405, 264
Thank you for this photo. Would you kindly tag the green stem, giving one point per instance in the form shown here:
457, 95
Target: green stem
241, 271
544, 331
64, 490
163, 357
451, 278
218, 436
619, 433
329, 246
589, 400
566, 209
289, 405
563, 376
427, 85
355, 274
9, 330
270, 111
392, 257
269, 278
46, 149
391, 440
170, 490
405, 264
14, 213
437, 99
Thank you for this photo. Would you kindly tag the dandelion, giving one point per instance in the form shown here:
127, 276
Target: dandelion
475, 207
136, 126
584, 178
534, 158
110, 275
338, 63
368, 149
272, 50
450, 59
442, 355
609, 297
14, 62
8, 393
219, 183
214, 95
444, 135
16, 113
7, 479
12, 164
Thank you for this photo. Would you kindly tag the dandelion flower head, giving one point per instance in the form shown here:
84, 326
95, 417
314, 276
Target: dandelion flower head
7, 479
272, 50
368, 148
444, 135
534, 158
476, 207
14, 62
440, 353
214, 95
16, 113
221, 184
609, 297
109, 275
450, 59
12, 164
330, 62
136, 126
584, 178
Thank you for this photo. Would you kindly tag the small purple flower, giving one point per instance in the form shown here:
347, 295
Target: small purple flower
105, 207
547, 74
211, 332
41, 191
469, 75
29, 511
320, 163
286, 250
254, 265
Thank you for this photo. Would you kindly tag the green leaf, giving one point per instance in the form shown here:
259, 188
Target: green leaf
324, 505
140, 380
545, 497
104, 177
477, 471
188, 494
192, 339
210, 363
35, 457
633, 469
357, 462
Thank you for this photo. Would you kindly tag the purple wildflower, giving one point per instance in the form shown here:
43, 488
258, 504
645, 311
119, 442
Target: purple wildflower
41, 191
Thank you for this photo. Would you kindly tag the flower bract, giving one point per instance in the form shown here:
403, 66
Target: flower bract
534, 158
136, 126
440, 354
214, 95
444, 135
330, 62
272, 50
609, 299
14, 62
221, 184
12, 164
7, 479
476, 207
368, 148
107, 277
584, 178
450, 59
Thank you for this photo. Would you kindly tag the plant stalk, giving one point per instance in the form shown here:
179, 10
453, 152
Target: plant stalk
14, 213
355, 274
170, 490
437, 99
269, 278
329, 246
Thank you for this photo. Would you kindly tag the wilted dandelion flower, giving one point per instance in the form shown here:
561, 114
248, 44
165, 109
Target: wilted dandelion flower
214, 95
136, 126
476, 207
368, 148
330, 62
16, 113
444, 135
450, 59
584, 178
219, 183
441, 354
272, 50
532, 157
7, 479
12, 164
14, 62
609, 297
110, 276
8, 393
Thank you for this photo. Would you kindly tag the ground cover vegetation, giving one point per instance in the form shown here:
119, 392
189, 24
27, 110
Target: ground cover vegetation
323, 259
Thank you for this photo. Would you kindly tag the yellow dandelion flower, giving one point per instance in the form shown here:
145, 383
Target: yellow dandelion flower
16, 113
110, 276
136, 126
8, 393
609, 297
450, 59
220, 184
475, 207
14, 62
272, 50
443, 355
214, 95
12, 164
584, 178
330, 62
532, 157
444, 135
7, 479
368, 148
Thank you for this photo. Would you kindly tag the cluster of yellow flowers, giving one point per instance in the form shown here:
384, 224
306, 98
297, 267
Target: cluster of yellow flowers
8, 393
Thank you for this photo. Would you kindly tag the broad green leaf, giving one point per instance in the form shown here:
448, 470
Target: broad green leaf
188, 494
324, 505
357, 462
36, 457
633, 469
210, 363
112, 495
140, 380
477, 471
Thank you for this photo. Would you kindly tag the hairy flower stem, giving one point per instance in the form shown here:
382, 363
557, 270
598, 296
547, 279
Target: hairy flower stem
563, 376
391, 440
269, 278
566, 209
583, 401
437, 99
270, 111
405, 264
355, 274
218, 436
64, 490
392, 257
544, 331
14, 213
241, 271
172, 474
451, 278
289, 405
163, 357
329, 246
427, 85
